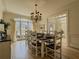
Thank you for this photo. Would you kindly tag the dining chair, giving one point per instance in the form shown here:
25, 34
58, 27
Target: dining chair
28, 37
54, 50
35, 44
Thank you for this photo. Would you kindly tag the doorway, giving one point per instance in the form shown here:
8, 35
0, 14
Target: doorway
64, 26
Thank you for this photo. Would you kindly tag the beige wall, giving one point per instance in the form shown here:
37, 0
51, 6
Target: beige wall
1, 9
11, 29
73, 22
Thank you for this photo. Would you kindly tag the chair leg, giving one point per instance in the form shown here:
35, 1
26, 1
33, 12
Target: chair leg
60, 54
54, 54
46, 51
36, 52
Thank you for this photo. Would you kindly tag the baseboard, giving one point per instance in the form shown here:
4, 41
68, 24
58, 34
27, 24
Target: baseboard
73, 48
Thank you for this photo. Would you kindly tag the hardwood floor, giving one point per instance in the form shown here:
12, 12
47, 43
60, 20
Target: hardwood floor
71, 53
19, 50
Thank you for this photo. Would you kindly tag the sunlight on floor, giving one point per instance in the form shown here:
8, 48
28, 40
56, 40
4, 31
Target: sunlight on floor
19, 50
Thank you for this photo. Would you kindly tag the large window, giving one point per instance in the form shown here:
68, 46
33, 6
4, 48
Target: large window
21, 28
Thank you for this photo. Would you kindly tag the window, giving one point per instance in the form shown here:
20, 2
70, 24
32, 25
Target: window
21, 27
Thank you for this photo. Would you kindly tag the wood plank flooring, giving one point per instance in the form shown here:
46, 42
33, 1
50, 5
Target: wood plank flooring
19, 50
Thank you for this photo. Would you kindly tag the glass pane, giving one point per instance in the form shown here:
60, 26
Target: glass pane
22, 27
18, 28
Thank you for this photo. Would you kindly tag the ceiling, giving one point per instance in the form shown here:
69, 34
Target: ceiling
25, 7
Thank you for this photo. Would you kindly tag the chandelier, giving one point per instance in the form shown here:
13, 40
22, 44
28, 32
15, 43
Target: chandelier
36, 15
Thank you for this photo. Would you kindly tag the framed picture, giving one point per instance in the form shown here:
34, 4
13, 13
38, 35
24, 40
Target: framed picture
42, 27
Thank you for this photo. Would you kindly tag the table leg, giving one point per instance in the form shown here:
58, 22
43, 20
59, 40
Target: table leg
42, 50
